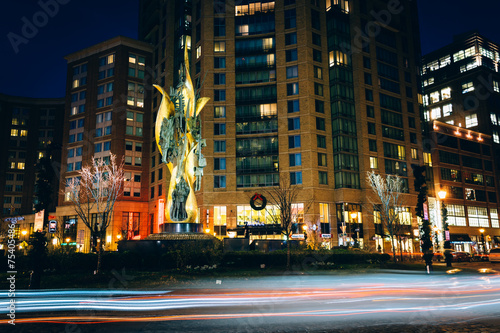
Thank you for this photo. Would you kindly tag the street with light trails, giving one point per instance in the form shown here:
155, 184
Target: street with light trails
287, 303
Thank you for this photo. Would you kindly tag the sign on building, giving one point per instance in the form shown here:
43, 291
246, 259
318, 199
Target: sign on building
39, 220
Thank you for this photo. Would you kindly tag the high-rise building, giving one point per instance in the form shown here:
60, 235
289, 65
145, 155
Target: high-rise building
108, 110
313, 93
461, 95
30, 132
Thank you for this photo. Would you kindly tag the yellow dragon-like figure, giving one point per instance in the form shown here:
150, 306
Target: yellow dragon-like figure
178, 136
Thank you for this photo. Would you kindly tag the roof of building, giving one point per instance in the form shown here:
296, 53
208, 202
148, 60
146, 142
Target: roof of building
31, 100
108, 44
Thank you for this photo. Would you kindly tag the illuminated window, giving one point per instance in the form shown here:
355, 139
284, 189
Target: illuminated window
373, 162
444, 61
493, 118
467, 87
340, 4
427, 159
135, 94
404, 215
40, 155
425, 99
268, 109
254, 7
220, 215
338, 58
471, 120
496, 87
20, 165
456, 215
494, 218
458, 56
132, 58
23, 133
324, 216
486, 53
447, 110
496, 137
467, 67
15, 121
401, 152
267, 43
478, 216
13, 132
435, 113
198, 52
429, 81
414, 153
434, 65
219, 112
470, 51
242, 30
12, 165
76, 83
434, 97
318, 72
446, 93
219, 47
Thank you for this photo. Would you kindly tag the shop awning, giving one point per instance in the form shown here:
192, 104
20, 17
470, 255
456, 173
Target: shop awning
460, 238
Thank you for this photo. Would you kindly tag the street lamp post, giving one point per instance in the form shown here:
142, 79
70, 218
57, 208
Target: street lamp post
24, 243
353, 218
442, 195
482, 241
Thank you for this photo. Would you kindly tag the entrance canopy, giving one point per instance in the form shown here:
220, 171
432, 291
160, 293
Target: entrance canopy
458, 238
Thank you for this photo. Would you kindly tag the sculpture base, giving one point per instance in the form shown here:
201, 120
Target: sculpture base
180, 227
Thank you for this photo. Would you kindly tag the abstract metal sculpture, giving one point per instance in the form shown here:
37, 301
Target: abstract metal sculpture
178, 136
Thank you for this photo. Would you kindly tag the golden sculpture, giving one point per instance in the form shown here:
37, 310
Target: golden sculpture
178, 136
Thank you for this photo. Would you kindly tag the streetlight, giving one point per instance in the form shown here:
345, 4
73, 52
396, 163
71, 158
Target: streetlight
24, 245
304, 228
444, 215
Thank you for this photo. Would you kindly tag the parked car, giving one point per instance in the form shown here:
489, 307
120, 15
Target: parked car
438, 256
480, 257
461, 256
495, 255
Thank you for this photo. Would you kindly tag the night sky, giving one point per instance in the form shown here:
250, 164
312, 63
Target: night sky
38, 69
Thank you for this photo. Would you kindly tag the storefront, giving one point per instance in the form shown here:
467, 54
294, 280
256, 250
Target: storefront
461, 243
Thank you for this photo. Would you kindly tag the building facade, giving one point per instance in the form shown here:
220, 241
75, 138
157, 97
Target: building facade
461, 94
30, 132
108, 111
313, 93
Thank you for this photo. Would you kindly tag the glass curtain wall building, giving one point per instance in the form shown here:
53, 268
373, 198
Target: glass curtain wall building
313, 93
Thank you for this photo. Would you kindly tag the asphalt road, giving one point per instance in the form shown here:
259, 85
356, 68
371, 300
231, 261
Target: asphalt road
382, 301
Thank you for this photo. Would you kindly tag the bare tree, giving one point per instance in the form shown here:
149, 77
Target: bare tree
95, 192
282, 199
389, 192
